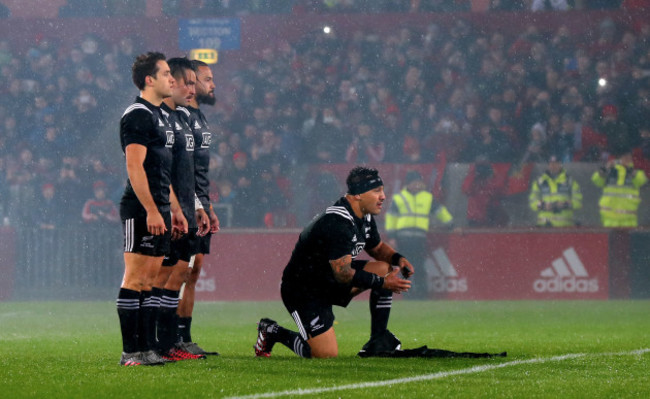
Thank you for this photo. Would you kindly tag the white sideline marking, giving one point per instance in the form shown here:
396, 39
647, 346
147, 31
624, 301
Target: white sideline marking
426, 377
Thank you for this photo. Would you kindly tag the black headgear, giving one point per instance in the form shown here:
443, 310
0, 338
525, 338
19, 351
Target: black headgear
365, 184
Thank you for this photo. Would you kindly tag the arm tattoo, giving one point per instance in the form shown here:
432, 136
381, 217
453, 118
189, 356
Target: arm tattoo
342, 269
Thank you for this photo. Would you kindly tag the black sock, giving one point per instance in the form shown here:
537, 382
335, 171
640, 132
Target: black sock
184, 327
128, 310
167, 325
293, 341
381, 301
147, 322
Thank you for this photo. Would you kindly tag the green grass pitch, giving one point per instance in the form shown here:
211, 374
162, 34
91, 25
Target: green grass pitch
563, 349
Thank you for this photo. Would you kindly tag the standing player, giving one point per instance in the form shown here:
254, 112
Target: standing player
202, 138
323, 272
176, 265
146, 139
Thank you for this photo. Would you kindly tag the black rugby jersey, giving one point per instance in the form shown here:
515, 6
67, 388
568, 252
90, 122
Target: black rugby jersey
202, 140
183, 162
331, 235
146, 124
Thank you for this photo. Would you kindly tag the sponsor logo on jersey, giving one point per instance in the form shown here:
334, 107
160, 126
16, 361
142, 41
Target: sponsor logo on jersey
196, 125
442, 275
178, 126
566, 274
160, 122
170, 139
189, 140
207, 140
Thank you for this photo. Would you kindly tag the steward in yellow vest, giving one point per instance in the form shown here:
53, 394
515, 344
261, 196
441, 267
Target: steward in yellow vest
554, 196
407, 221
410, 208
621, 198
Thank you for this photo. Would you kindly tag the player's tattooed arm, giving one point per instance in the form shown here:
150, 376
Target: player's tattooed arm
342, 269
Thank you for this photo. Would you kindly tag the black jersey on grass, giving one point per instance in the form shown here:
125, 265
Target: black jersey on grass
203, 139
146, 124
331, 235
183, 162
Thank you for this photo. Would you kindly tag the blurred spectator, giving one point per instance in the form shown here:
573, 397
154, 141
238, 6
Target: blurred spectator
507, 5
271, 200
484, 191
70, 186
21, 175
246, 204
619, 137
4, 188
536, 149
562, 143
365, 147
549, 5
99, 209
48, 204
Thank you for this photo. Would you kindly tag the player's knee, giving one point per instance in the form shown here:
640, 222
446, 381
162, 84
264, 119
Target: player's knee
175, 282
324, 353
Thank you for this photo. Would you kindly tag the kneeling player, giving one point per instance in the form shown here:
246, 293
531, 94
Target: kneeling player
323, 272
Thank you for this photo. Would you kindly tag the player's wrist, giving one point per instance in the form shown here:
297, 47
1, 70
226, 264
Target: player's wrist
394, 260
364, 279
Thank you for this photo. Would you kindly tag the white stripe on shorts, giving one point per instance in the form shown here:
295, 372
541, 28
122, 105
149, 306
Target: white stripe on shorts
301, 328
128, 235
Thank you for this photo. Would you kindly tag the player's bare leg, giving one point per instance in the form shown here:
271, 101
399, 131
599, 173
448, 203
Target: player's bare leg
324, 346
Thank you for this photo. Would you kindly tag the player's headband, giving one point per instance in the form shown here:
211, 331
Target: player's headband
364, 185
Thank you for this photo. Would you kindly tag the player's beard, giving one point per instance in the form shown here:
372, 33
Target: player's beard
206, 99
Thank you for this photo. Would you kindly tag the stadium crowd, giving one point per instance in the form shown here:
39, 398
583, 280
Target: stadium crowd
407, 97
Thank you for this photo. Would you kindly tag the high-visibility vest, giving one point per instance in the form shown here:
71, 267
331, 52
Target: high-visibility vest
410, 211
555, 190
620, 200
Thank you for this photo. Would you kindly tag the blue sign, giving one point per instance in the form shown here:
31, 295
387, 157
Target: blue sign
215, 33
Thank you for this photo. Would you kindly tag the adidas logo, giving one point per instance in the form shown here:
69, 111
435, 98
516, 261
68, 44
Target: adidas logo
567, 274
442, 275
205, 284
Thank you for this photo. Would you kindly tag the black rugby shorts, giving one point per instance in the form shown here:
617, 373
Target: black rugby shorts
137, 238
183, 248
314, 315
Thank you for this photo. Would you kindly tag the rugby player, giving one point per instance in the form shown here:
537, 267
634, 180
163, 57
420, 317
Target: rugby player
202, 137
175, 268
323, 272
146, 138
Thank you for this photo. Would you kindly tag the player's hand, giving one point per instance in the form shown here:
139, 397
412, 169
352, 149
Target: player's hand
396, 284
214, 222
179, 225
406, 268
156, 223
203, 220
